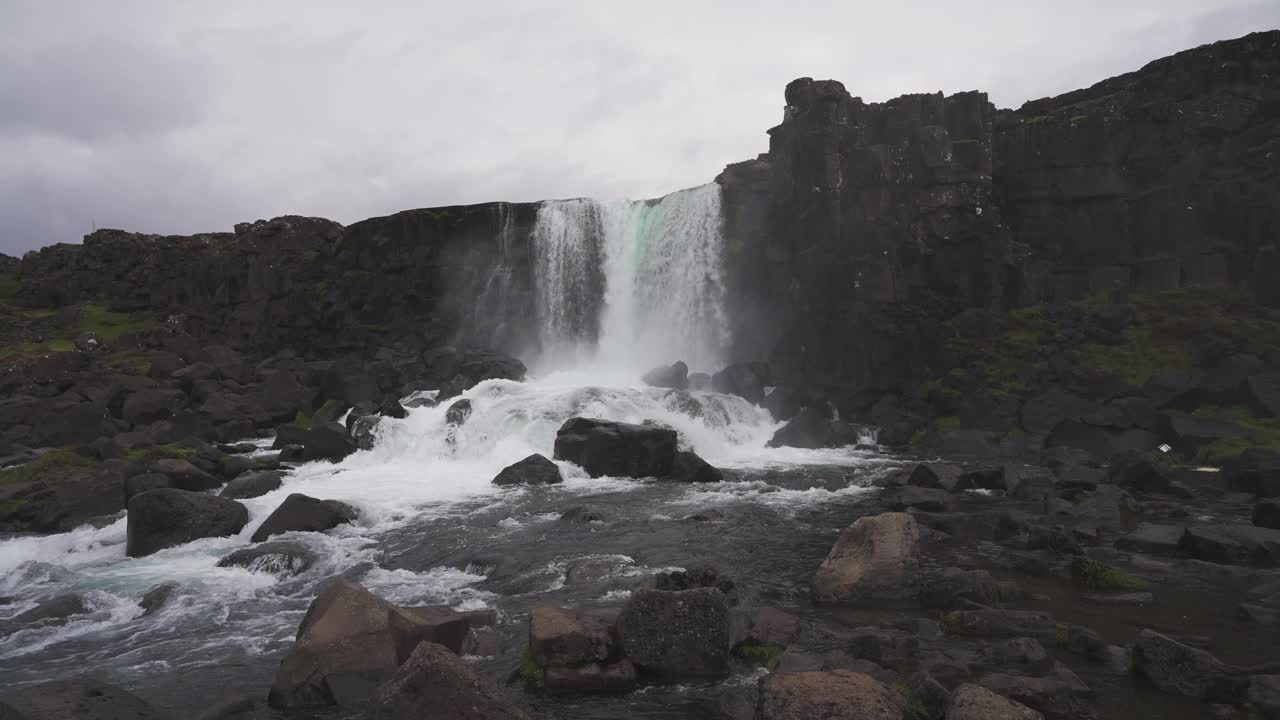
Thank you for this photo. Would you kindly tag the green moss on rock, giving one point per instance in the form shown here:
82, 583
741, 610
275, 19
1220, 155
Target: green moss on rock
48, 467
763, 654
532, 674
1096, 575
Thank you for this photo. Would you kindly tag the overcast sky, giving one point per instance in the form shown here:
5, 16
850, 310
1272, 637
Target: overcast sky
178, 117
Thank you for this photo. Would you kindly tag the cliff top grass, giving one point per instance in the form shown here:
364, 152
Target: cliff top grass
49, 466
1266, 434
58, 336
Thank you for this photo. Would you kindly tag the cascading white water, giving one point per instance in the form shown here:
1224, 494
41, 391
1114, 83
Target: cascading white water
663, 294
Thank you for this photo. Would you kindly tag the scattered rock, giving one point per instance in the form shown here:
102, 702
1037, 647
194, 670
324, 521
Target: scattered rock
166, 517
1256, 471
1016, 656
1183, 670
835, 695
697, 575
875, 563
893, 649
1060, 695
254, 484
533, 470
141, 483
956, 588
677, 634
434, 682
301, 513
605, 448
746, 380
972, 702
1233, 544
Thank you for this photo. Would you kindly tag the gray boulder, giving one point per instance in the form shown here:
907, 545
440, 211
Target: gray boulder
166, 517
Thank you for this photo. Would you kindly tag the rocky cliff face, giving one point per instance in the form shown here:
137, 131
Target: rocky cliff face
868, 226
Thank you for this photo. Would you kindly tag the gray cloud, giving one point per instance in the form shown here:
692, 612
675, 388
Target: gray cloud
176, 117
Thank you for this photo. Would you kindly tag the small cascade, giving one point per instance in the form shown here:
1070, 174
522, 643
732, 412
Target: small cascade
490, 314
567, 267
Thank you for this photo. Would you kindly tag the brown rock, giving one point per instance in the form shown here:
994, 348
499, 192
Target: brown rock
875, 563
836, 695
435, 683
970, 702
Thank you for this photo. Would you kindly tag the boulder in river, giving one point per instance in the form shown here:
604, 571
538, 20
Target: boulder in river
675, 376
349, 642
533, 470
185, 476
53, 611
324, 440
972, 702
835, 695
253, 484
602, 447
434, 682
875, 563
746, 380
809, 428
684, 634
165, 517
577, 651
279, 557
1184, 670
689, 467
75, 700
158, 597
302, 513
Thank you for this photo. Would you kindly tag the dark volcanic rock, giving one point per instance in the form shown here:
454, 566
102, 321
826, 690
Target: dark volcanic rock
322, 441
279, 557
142, 483
874, 563
1267, 514
166, 517
942, 476
675, 376
254, 484
971, 702
1232, 544
810, 428
53, 611
533, 470
688, 467
158, 597
434, 682
301, 513
1182, 670
185, 476
616, 449
458, 412
835, 695
746, 380
1256, 470
676, 635
75, 700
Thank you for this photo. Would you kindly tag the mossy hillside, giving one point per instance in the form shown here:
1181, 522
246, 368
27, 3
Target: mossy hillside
49, 467
1265, 433
1009, 354
58, 328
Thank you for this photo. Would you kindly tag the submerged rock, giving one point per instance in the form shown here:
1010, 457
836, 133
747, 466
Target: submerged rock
674, 376
280, 557
533, 470
253, 484
605, 448
301, 513
158, 597
875, 563
166, 517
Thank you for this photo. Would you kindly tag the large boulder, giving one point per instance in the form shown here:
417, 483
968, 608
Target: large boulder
616, 449
874, 563
185, 476
146, 406
971, 702
165, 517
1183, 670
301, 513
75, 700
326, 440
577, 650
53, 611
1232, 544
691, 468
674, 376
835, 695
533, 470
253, 484
435, 683
349, 642
746, 380
680, 634
1043, 412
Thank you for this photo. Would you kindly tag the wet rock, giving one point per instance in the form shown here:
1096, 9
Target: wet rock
1137, 472
301, 513
809, 428
281, 557
458, 412
53, 611
699, 381
1060, 694
348, 643
447, 626
1233, 544
1256, 471
995, 623
149, 405
920, 498
677, 634
605, 448
533, 470
75, 700
697, 575
564, 638
1017, 656
710, 515
591, 678
691, 468
142, 483
972, 702
769, 626
835, 695
1191, 431
1183, 670
1264, 694
746, 380
893, 649
324, 440
1267, 514
782, 403
1264, 393
582, 514
874, 563
1026, 482
955, 588
927, 699
674, 376
253, 484
159, 596
1131, 599
185, 476
940, 476
363, 430
434, 682
1043, 412
1153, 539
166, 517
247, 707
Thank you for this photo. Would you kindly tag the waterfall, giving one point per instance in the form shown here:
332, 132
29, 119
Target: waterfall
662, 298
490, 314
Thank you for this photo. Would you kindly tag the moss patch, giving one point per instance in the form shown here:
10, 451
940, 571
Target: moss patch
1266, 434
308, 420
758, 653
914, 706
533, 674
89, 318
1100, 576
48, 467
162, 452
9, 286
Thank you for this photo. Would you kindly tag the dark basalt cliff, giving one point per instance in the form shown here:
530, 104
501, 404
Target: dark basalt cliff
868, 225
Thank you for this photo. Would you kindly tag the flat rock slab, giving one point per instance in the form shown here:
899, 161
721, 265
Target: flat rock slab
1153, 539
